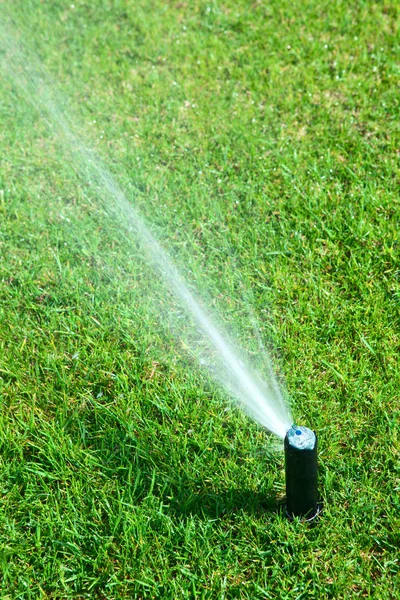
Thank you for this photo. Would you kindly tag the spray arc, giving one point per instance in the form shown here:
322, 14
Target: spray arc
262, 399
301, 473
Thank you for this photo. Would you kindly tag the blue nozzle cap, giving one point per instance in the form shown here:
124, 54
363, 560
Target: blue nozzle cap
301, 438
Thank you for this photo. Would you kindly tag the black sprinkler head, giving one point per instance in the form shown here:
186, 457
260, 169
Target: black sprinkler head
301, 473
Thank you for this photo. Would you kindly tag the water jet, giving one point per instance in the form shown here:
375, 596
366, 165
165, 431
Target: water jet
301, 473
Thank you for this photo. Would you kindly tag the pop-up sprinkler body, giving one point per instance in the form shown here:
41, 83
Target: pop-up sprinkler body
301, 473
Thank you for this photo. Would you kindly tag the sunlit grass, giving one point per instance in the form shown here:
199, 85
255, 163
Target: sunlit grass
261, 142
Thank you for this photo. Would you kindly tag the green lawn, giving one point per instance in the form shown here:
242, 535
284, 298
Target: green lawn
261, 140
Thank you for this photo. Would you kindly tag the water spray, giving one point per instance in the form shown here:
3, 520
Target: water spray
301, 473
261, 397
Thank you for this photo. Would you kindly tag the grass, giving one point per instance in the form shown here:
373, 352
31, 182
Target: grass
261, 140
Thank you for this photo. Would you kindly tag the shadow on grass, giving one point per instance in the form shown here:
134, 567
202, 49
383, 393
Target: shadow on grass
143, 468
181, 495
212, 504
158, 474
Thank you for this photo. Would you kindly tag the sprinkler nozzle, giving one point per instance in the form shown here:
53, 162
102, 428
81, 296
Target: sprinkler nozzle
301, 473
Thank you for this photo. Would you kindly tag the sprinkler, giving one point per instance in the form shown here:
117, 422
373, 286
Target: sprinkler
301, 473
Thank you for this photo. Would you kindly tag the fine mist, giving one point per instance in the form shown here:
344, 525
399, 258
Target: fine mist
260, 397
